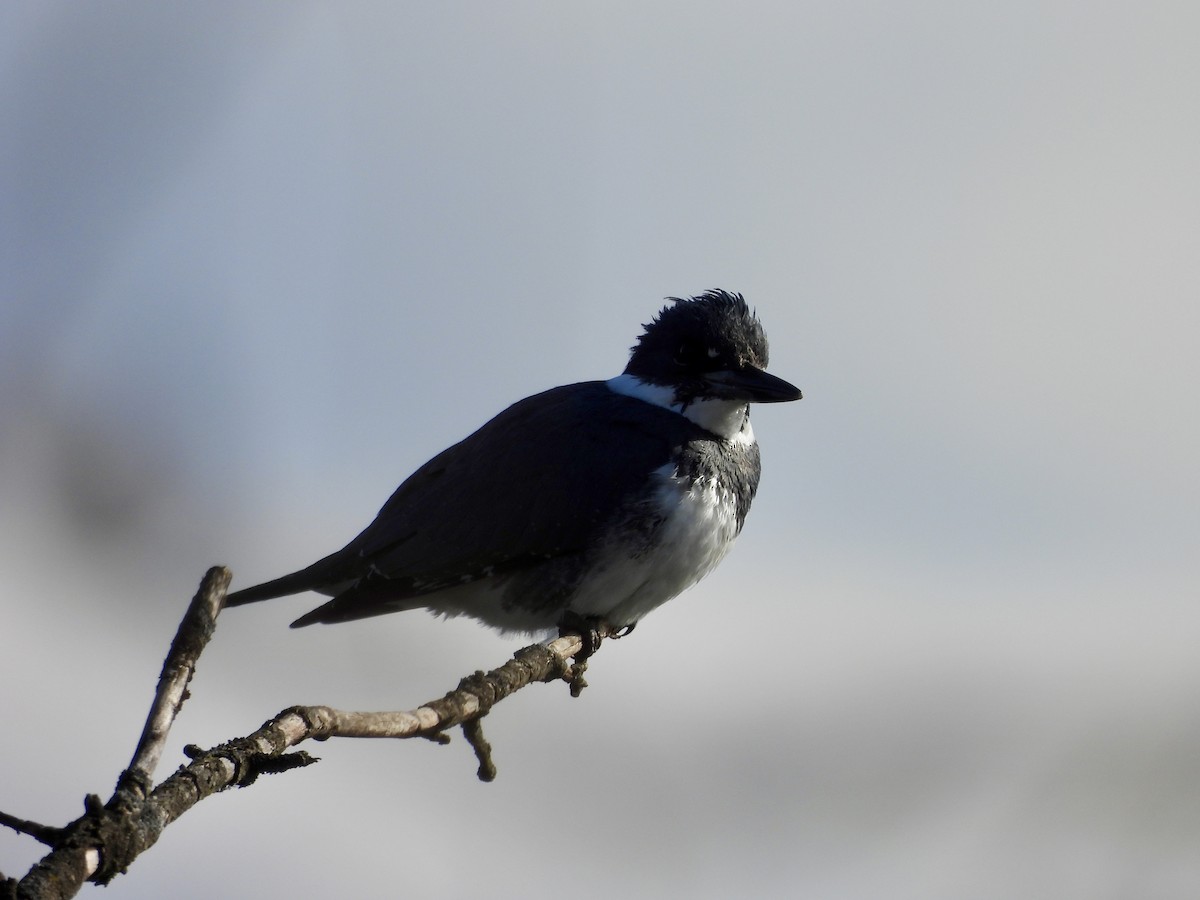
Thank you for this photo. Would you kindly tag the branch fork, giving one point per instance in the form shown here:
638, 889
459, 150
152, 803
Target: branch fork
105, 840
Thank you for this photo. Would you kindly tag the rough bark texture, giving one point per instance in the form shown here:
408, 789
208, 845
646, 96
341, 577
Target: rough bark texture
109, 836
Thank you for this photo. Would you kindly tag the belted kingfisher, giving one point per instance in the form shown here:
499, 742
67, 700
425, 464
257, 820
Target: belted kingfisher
597, 501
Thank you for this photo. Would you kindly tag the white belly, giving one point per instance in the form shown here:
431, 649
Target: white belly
699, 527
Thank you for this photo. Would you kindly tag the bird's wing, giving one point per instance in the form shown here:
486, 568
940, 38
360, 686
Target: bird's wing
542, 477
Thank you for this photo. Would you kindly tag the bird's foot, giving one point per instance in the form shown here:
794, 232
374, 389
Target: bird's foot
591, 630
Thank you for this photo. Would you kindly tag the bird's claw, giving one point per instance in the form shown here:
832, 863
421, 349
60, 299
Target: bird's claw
591, 630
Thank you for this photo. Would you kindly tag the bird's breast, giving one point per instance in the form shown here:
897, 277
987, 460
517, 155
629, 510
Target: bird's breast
667, 541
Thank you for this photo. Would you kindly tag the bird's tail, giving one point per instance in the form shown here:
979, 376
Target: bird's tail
326, 576
295, 583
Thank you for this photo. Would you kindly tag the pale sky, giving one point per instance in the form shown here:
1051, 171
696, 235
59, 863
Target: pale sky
260, 261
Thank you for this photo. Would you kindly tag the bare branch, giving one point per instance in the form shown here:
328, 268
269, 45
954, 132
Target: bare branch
473, 732
77, 857
195, 631
43, 833
104, 841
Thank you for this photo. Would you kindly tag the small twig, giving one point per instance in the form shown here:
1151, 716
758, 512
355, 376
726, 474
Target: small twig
195, 631
473, 732
44, 834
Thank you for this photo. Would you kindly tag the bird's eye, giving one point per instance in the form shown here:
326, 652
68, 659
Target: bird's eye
692, 356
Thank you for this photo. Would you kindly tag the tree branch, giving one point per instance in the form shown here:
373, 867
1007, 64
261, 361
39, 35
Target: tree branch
39, 832
106, 839
195, 631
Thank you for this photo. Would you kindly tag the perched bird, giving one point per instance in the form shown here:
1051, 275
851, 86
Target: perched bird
596, 501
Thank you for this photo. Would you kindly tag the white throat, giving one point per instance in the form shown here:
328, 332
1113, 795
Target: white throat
730, 419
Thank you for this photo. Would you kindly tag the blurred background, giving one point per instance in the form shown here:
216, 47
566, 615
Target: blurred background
260, 261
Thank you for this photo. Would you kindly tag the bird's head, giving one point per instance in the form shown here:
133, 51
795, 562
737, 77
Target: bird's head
709, 347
